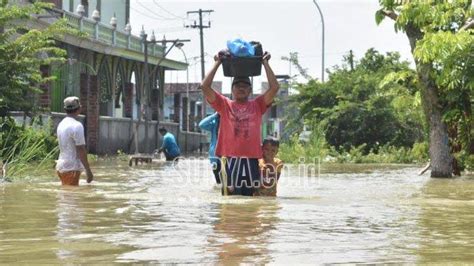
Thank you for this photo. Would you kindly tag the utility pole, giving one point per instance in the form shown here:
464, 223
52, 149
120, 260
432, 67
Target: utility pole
146, 83
351, 60
146, 90
200, 26
322, 39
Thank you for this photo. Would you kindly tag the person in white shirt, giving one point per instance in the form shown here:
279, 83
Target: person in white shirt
72, 146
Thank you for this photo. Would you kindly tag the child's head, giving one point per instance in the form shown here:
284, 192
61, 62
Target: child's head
270, 148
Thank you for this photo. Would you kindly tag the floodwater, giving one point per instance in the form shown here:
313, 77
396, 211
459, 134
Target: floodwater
162, 213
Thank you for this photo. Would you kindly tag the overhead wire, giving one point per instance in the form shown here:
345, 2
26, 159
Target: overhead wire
164, 9
158, 16
172, 30
144, 14
318, 56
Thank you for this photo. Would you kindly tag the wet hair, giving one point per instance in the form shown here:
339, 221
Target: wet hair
273, 142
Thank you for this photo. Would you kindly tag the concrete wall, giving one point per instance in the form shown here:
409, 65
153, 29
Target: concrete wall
115, 134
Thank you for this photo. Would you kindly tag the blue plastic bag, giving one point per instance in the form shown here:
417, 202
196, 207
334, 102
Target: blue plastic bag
240, 48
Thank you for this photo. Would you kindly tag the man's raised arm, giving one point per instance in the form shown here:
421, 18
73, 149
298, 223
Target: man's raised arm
273, 85
206, 83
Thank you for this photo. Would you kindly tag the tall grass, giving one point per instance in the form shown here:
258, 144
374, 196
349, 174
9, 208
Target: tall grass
295, 151
26, 148
384, 154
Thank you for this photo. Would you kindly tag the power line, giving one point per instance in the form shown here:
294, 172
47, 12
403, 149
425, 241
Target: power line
154, 13
319, 56
163, 30
201, 28
171, 30
172, 14
144, 14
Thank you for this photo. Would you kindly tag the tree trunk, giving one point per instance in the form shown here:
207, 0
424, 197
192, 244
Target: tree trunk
440, 156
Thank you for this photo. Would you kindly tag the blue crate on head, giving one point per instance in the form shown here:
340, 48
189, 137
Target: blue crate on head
242, 66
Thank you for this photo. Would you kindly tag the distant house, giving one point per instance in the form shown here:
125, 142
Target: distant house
176, 104
274, 121
107, 71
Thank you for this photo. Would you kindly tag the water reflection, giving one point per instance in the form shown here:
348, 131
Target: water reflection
70, 220
83, 218
26, 223
446, 233
243, 231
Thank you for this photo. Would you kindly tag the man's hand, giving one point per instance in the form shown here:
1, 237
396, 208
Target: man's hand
82, 153
272, 81
206, 83
217, 58
266, 57
90, 176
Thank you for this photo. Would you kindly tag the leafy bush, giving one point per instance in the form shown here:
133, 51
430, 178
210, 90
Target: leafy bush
294, 150
420, 151
384, 154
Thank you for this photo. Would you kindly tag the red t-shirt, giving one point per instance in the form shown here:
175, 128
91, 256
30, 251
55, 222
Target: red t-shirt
239, 127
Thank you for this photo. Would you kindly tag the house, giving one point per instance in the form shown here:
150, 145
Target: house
176, 104
274, 120
122, 101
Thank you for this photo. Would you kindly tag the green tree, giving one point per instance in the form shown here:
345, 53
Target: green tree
363, 103
22, 53
442, 43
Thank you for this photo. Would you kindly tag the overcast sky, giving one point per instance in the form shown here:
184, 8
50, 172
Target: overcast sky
281, 26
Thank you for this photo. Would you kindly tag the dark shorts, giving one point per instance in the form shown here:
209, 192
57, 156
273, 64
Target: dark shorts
169, 157
243, 175
216, 169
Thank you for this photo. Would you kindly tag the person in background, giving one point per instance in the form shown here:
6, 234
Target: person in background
72, 146
270, 168
169, 147
240, 128
211, 124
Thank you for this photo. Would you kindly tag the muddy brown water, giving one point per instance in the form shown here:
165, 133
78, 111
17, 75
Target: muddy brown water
162, 213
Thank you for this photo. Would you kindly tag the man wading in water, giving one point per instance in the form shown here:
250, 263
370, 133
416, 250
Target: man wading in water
239, 137
72, 146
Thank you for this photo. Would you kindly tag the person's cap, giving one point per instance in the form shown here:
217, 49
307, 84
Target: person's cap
71, 103
241, 79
